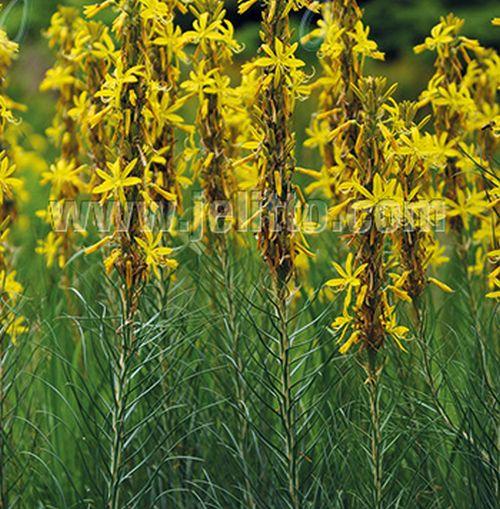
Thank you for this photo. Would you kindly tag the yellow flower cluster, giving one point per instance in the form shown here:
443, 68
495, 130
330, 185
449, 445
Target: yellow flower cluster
12, 323
139, 104
280, 81
66, 177
462, 94
345, 46
378, 169
118, 119
392, 174
369, 287
218, 103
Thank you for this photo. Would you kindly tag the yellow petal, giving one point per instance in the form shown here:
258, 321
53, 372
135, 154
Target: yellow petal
165, 194
98, 245
440, 285
349, 343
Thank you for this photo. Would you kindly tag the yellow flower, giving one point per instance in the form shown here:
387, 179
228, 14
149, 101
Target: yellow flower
98, 245
7, 181
440, 285
204, 31
9, 285
282, 59
469, 204
433, 149
397, 287
494, 282
363, 45
200, 81
8, 49
116, 180
57, 78
349, 277
435, 255
244, 6
111, 91
324, 180
104, 48
382, 191
397, 332
156, 255
343, 323
455, 97
111, 260
154, 9
353, 339
320, 135
164, 111
16, 325
163, 193
81, 107
330, 34
494, 255
61, 175
49, 248
174, 40
92, 10
440, 35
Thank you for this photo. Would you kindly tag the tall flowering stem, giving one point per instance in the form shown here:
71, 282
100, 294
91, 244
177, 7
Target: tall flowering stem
368, 315
277, 162
344, 47
375, 170
133, 110
461, 94
280, 83
66, 176
12, 324
372, 306
382, 175
214, 36
136, 110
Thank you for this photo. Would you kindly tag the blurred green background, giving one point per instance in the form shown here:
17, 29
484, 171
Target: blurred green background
396, 26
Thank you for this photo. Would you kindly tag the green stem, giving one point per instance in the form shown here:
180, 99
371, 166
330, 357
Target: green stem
120, 389
4, 503
116, 450
376, 430
429, 377
462, 252
240, 393
286, 403
419, 312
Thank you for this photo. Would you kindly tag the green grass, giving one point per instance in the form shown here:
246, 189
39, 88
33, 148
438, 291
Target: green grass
199, 410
